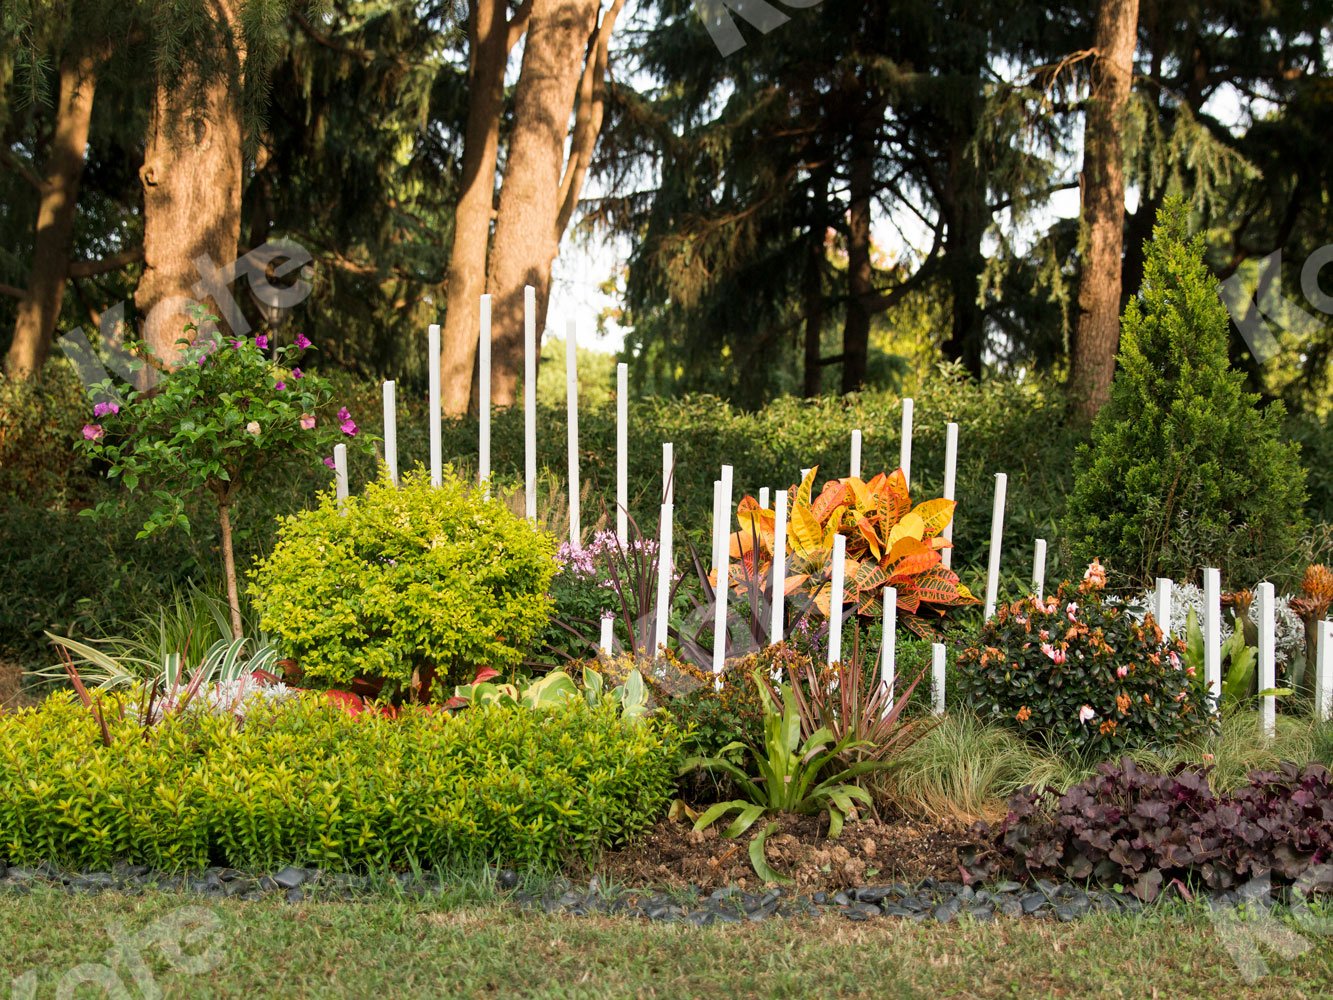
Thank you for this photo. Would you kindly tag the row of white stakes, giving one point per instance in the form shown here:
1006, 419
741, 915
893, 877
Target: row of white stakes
722, 511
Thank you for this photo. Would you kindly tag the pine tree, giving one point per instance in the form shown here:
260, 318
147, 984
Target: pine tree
1184, 470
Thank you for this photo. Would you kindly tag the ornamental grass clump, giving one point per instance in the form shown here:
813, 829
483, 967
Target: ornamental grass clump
413, 588
1075, 670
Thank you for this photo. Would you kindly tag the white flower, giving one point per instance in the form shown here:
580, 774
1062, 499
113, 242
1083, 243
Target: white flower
1086, 714
252, 428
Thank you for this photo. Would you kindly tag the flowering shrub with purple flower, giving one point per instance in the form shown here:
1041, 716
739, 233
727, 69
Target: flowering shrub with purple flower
592, 583
1075, 669
232, 409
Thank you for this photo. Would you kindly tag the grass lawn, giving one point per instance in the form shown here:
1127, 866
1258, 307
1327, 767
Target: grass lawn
392, 947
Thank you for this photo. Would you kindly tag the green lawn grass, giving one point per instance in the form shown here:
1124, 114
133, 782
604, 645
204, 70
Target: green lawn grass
391, 947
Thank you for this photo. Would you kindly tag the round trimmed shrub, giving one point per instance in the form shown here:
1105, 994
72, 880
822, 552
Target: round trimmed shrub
399, 580
1076, 670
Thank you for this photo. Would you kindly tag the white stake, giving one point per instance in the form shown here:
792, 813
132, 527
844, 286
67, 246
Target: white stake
1039, 569
622, 453
836, 588
433, 365
484, 392
804, 473
608, 635
905, 448
668, 475
888, 645
937, 677
1267, 658
1161, 609
530, 401
723, 534
340, 472
572, 418
1212, 633
856, 454
996, 537
718, 526
950, 477
779, 593
1323, 678
391, 431
763, 497
665, 567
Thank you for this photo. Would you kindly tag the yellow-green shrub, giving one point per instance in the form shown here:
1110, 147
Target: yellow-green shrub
305, 783
401, 579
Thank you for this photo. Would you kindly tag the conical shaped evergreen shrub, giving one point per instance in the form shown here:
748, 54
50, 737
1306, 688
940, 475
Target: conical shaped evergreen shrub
1185, 470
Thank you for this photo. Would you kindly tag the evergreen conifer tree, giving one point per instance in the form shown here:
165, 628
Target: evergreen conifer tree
1184, 469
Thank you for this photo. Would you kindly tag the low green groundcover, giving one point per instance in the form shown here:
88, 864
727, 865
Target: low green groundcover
301, 782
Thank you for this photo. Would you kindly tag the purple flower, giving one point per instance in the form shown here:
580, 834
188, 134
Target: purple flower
280, 386
302, 341
261, 341
93, 432
346, 422
102, 409
296, 373
235, 345
329, 462
307, 421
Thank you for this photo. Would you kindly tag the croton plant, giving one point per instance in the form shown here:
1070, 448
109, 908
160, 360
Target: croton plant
889, 543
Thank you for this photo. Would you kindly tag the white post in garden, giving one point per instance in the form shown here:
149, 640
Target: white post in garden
665, 566
1323, 676
572, 418
888, 645
779, 594
433, 367
668, 474
763, 498
607, 639
530, 401
717, 523
1212, 634
722, 531
1161, 608
804, 473
996, 537
340, 472
937, 678
836, 587
856, 455
950, 484
391, 431
1267, 658
622, 453
905, 448
1039, 569
484, 396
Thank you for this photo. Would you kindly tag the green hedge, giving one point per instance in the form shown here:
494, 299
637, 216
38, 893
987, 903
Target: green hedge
303, 783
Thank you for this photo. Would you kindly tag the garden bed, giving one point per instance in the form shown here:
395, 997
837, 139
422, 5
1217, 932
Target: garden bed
674, 855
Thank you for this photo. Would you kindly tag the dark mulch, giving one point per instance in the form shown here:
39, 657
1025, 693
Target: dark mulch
674, 855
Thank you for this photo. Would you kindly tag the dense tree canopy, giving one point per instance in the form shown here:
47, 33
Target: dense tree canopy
855, 193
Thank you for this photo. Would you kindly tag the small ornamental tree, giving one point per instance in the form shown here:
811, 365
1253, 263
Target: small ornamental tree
1184, 469
234, 407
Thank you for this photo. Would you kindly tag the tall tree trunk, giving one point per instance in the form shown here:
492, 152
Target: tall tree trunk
966, 217
541, 186
1097, 334
39, 309
490, 39
860, 273
192, 181
812, 292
